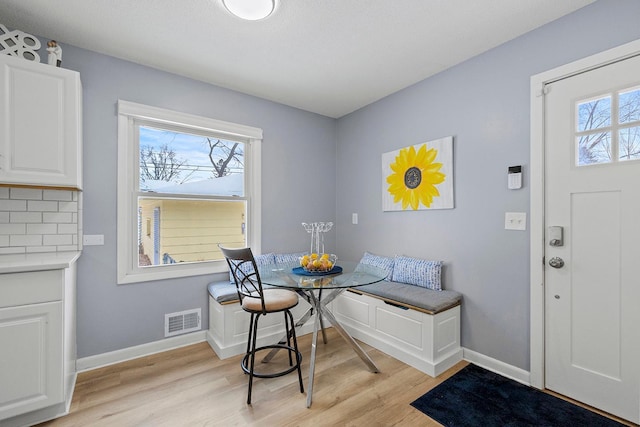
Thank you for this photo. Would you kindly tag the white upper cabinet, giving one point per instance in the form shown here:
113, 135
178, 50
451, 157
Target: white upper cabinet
40, 124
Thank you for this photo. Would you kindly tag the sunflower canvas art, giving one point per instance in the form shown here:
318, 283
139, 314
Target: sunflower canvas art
418, 177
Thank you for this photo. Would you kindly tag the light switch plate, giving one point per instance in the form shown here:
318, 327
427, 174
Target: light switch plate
93, 239
515, 221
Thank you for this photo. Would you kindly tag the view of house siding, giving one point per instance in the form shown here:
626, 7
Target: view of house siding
188, 231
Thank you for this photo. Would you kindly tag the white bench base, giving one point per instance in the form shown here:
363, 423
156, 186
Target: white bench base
428, 342
229, 327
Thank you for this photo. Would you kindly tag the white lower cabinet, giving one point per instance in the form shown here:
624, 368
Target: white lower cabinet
30, 372
37, 345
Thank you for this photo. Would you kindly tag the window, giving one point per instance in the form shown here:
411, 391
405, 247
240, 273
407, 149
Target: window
608, 128
192, 182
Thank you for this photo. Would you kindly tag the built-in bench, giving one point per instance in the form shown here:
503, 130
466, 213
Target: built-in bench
414, 324
418, 326
229, 323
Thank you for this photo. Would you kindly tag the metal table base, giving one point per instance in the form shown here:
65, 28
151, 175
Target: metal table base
319, 310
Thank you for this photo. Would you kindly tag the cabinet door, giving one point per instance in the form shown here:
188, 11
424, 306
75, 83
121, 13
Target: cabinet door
31, 374
40, 141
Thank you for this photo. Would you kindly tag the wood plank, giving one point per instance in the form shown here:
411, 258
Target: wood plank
191, 386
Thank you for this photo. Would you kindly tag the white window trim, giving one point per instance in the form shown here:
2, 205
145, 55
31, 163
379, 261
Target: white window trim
128, 164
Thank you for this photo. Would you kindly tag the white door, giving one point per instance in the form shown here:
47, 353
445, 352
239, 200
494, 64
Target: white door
592, 191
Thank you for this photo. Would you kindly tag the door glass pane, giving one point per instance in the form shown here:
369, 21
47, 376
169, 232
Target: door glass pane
629, 106
594, 148
594, 114
629, 143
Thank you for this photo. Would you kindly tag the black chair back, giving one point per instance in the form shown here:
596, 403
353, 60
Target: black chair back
243, 267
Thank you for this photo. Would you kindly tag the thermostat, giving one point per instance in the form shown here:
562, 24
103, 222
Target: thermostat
514, 177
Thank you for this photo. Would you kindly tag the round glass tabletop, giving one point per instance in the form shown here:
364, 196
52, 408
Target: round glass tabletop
291, 276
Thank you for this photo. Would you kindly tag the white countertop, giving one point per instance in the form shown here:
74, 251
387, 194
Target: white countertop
16, 263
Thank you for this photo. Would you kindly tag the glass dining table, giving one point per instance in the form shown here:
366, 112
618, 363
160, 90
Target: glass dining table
319, 289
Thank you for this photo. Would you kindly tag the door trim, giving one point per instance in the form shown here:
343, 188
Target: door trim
537, 225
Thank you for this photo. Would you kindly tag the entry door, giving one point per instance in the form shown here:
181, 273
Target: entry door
592, 271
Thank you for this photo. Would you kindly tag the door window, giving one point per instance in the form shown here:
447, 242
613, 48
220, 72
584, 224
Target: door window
607, 128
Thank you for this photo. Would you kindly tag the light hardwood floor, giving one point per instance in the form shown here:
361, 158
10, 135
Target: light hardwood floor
191, 386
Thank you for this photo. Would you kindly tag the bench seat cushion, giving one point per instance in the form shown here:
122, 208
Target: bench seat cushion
224, 292
428, 300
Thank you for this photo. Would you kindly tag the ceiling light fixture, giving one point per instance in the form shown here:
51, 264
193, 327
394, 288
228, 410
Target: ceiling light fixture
251, 10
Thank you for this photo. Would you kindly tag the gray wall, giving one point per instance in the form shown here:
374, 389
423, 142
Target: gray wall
111, 316
484, 104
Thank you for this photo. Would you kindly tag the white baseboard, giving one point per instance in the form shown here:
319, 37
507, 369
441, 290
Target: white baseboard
117, 356
494, 365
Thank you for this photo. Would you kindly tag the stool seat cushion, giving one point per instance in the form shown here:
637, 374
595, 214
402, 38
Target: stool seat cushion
274, 300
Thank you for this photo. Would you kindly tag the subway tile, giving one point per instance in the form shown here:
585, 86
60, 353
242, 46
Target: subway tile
60, 195
24, 217
13, 228
25, 240
26, 193
68, 207
14, 205
4, 217
67, 229
4, 240
68, 248
56, 217
56, 239
4, 192
34, 249
74, 217
42, 228
12, 250
42, 206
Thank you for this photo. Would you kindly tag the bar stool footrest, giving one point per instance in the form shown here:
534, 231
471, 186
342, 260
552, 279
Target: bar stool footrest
244, 364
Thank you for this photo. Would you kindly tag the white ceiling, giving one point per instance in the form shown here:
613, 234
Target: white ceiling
330, 57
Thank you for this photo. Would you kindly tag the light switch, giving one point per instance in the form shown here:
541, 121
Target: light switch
515, 221
354, 218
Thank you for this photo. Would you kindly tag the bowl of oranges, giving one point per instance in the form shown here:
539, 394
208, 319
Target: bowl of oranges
318, 263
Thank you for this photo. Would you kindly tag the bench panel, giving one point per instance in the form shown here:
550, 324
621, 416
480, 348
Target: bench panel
447, 334
350, 307
398, 326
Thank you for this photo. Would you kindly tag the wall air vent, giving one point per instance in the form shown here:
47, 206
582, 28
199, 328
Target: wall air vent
182, 322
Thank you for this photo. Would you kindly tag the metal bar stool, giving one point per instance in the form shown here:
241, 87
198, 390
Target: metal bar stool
260, 302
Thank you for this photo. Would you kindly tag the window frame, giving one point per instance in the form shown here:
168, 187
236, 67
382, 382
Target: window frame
130, 116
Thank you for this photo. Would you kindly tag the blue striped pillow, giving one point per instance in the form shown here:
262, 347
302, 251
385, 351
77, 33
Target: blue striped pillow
383, 262
261, 260
419, 272
288, 258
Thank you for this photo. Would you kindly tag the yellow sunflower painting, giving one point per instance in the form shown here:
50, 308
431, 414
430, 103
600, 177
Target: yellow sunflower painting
419, 177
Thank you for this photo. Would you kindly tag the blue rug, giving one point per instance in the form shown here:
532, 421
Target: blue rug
477, 397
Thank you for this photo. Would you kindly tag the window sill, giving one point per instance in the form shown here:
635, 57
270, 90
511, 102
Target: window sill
173, 271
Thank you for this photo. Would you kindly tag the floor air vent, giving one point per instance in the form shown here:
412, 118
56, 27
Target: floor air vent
182, 322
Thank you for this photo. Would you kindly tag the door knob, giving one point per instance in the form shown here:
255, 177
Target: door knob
556, 262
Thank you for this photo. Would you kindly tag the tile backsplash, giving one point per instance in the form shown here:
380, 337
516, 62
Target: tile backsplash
38, 220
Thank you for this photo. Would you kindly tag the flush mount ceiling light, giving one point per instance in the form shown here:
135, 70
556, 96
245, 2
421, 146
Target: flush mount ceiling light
251, 10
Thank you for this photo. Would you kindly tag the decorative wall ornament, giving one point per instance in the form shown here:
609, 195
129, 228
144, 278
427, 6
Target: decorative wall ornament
20, 44
418, 177
55, 53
